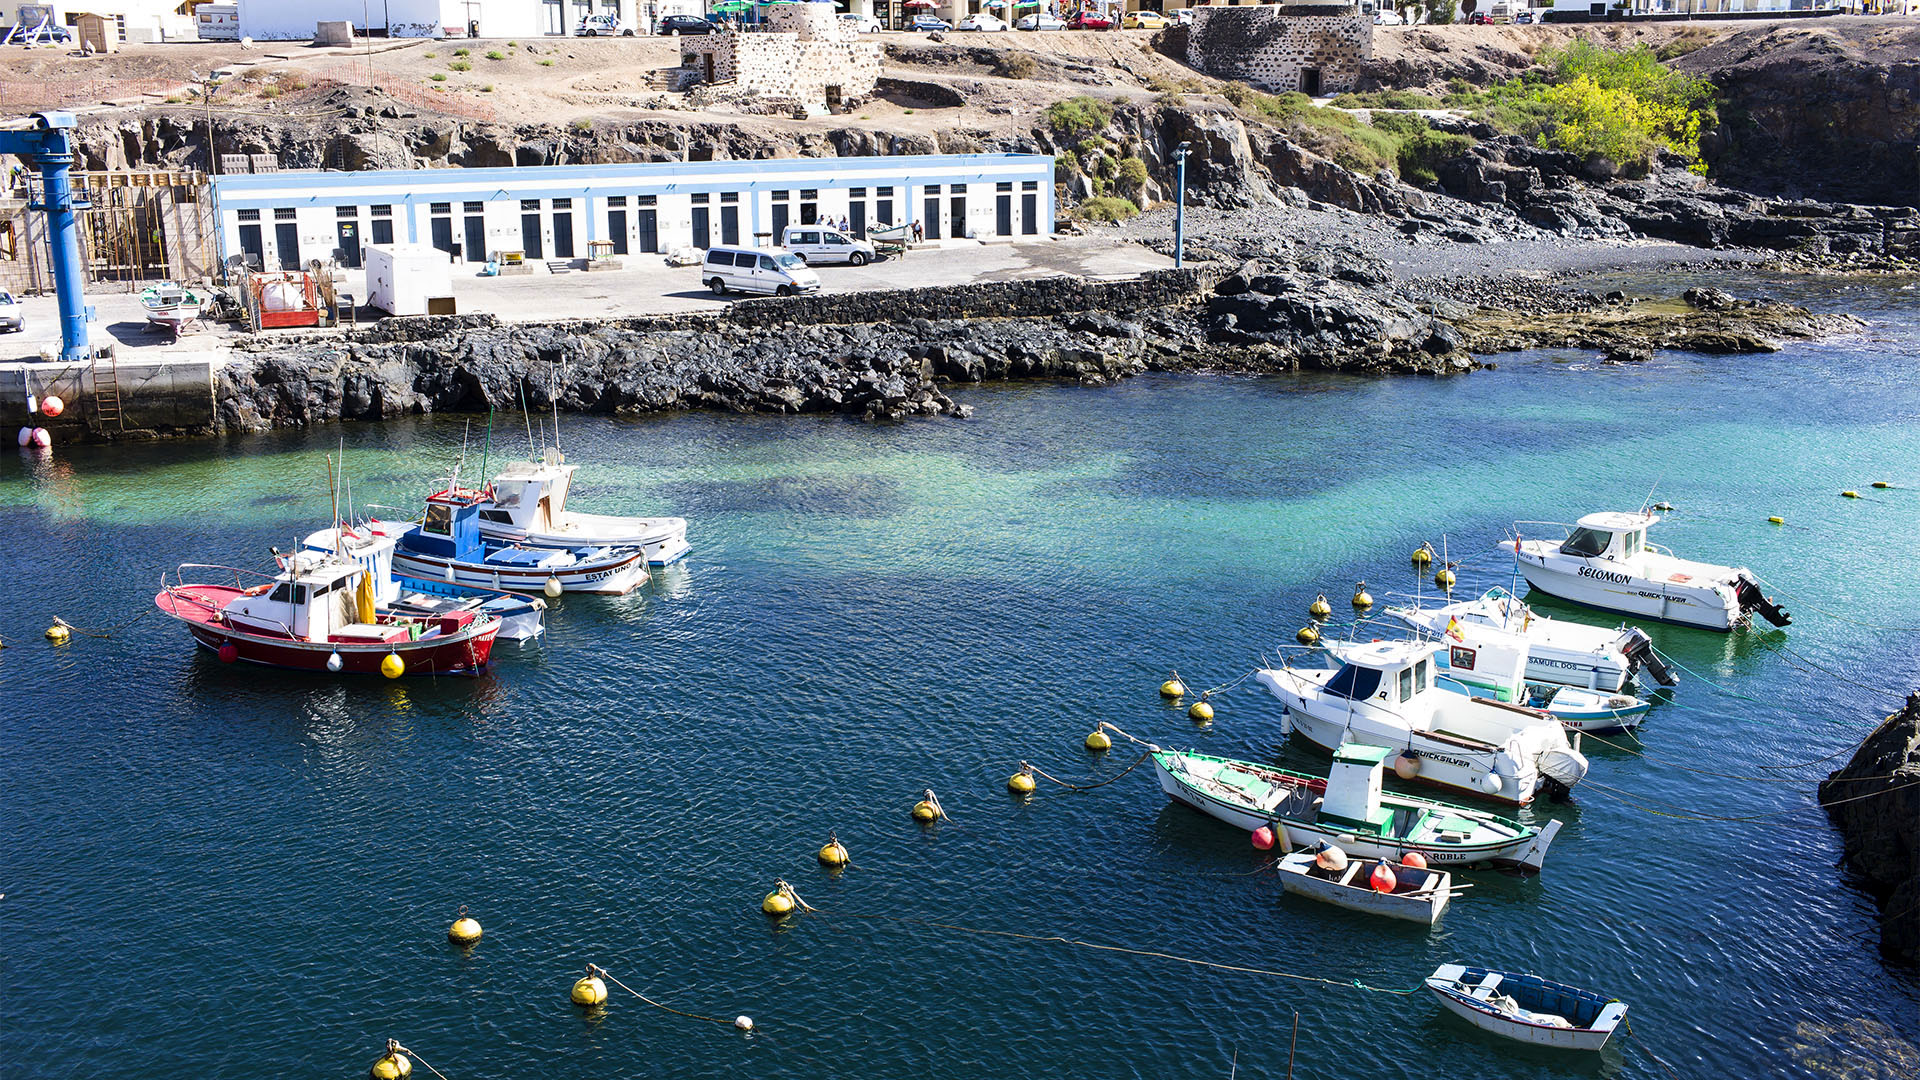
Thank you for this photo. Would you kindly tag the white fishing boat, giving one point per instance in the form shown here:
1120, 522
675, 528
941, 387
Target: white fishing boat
1558, 652
1604, 561
1416, 894
171, 306
1495, 668
1348, 808
1385, 693
529, 507
446, 545
1527, 1008
522, 618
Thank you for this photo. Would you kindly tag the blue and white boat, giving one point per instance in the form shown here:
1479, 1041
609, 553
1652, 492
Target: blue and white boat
446, 545
1527, 1008
521, 617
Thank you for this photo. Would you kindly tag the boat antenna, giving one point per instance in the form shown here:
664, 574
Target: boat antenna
486, 448
553, 386
1648, 501
333, 493
528, 416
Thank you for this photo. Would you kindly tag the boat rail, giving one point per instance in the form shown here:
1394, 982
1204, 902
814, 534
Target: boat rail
181, 588
1556, 524
418, 515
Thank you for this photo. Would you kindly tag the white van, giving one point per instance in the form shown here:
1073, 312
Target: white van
822, 244
768, 270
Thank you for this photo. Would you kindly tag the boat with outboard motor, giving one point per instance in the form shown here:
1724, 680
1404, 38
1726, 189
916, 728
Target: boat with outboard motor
446, 544
528, 506
318, 614
1493, 669
1604, 561
521, 617
1527, 1008
1558, 652
1348, 808
1386, 693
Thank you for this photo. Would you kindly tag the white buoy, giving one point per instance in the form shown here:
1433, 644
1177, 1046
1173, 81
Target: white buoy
334, 662
744, 1023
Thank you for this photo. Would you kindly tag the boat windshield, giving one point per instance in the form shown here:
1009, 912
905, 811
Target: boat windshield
1586, 543
1358, 683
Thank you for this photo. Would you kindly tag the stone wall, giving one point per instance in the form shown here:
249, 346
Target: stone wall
1275, 46
807, 56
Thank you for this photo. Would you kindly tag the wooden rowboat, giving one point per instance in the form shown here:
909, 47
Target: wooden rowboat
1419, 895
1527, 1008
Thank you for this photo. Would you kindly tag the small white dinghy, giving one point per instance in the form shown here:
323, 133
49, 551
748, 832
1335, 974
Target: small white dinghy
1605, 562
1558, 652
1413, 893
1527, 1008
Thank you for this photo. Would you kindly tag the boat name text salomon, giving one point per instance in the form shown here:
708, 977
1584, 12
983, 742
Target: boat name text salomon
1605, 575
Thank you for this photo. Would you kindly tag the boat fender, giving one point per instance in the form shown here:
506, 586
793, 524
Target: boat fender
334, 663
59, 634
1382, 879
552, 588
1414, 859
1021, 783
1423, 555
835, 853
1491, 783
1329, 857
1099, 742
1307, 635
1362, 599
743, 1023
1407, 765
1173, 687
591, 990
229, 652
1201, 712
52, 406
1263, 838
393, 667
1320, 609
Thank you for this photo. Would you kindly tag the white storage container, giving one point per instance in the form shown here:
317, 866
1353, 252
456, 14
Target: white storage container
409, 279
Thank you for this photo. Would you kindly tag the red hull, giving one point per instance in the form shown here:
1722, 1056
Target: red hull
463, 653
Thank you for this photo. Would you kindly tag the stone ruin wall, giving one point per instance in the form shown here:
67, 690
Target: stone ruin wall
1270, 45
806, 50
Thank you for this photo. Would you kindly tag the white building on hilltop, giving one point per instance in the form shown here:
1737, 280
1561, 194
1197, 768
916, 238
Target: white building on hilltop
288, 20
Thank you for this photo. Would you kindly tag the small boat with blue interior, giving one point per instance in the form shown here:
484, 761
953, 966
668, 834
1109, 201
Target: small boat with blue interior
528, 506
1374, 887
446, 544
1388, 693
1527, 1008
1604, 561
1348, 807
1558, 652
521, 617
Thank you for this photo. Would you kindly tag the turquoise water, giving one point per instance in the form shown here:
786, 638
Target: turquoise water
212, 870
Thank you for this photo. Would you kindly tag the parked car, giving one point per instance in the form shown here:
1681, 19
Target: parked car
982, 22
1181, 16
764, 270
1041, 21
602, 26
1525, 18
1144, 20
1388, 18
1089, 20
1479, 18
11, 320
816, 244
682, 24
927, 24
862, 24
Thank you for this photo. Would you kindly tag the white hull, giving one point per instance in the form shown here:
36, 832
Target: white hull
1527, 851
1482, 1014
614, 579
1561, 653
1629, 595
663, 539
1422, 905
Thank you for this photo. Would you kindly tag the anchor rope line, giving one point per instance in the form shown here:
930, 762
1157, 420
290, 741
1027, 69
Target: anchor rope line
1115, 728
415, 1055
1671, 764
1228, 687
1704, 679
103, 634
1151, 953
1802, 601
1809, 665
1038, 771
1628, 797
1647, 1050
657, 1005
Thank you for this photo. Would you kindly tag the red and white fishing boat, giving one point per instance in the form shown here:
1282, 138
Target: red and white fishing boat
318, 614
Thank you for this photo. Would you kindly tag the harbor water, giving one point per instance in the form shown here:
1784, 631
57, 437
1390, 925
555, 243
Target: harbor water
214, 870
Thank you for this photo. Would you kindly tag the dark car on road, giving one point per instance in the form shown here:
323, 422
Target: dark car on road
685, 24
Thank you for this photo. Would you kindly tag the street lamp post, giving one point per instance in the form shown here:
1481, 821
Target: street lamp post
1180, 205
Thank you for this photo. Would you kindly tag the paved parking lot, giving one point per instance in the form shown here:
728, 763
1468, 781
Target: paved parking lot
645, 287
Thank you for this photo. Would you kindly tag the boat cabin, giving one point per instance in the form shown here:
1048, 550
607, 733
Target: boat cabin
1609, 535
313, 598
370, 550
1497, 667
1353, 787
531, 495
1385, 673
451, 527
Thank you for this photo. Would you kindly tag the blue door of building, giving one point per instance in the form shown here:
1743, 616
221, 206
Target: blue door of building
649, 229
702, 228
530, 236
286, 238
252, 247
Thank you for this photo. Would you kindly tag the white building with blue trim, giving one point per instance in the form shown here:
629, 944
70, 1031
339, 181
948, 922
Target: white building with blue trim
283, 220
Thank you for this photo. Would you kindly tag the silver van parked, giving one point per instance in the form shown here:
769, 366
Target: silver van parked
824, 244
763, 270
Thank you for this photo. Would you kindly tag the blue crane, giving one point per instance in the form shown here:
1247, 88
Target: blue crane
47, 146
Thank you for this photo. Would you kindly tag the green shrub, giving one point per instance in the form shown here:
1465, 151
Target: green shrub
270, 91
1065, 164
1132, 175
438, 77
430, 55
463, 52
1170, 99
1107, 208
1016, 65
1079, 115
546, 63
496, 54
461, 65
583, 124
1422, 149
1386, 99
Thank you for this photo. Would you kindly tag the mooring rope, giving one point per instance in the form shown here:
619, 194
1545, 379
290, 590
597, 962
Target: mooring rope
1641, 1043
1811, 666
1115, 728
1671, 764
107, 633
394, 1047
1038, 771
1802, 601
657, 1005
1151, 953
1627, 798
1704, 679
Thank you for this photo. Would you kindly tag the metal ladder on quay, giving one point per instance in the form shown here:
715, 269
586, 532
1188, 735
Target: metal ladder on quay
106, 392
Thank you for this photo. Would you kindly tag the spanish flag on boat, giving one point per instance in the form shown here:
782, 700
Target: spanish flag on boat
1453, 627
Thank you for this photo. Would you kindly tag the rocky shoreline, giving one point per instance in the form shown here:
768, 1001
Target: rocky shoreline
1875, 803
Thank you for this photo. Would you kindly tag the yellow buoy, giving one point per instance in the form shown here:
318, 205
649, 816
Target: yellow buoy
1778, 520
1021, 783
590, 990
59, 634
393, 667
465, 930
1098, 742
1444, 578
1362, 599
1306, 635
1423, 555
1200, 713
393, 1065
923, 811
1173, 687
777, 903
1849, 494
835, 853
1881, 484
1320, 609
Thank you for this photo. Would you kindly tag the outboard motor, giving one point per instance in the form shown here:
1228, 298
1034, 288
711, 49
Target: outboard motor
1638, 649
1747, 592
1559, 770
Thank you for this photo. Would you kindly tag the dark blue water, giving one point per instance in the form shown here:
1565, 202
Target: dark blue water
212, 870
